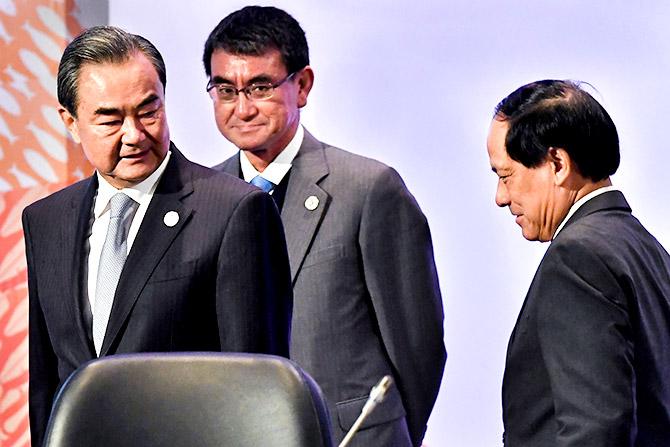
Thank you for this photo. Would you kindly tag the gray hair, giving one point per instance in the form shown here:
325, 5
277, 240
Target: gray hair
98, 45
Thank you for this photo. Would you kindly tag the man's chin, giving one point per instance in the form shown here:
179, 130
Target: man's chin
128, 179
251, 139
252, 149
530, 235
534, 237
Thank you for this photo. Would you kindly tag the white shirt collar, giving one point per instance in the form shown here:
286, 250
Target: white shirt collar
140, 193
278, 168
575, 206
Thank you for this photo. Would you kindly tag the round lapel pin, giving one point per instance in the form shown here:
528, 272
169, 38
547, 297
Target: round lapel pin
311, 203
171, 218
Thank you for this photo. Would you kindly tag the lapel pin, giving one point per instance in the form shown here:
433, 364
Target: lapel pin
171, 218
311, 203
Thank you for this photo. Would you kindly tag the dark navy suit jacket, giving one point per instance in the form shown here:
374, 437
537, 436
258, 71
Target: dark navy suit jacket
588, 363
218, 280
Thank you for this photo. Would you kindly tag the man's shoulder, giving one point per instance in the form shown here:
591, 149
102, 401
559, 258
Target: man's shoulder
605, 227
212, 179
610, 234
603, 239
340, 155
216, 185
346, 165
579, 241
62, 197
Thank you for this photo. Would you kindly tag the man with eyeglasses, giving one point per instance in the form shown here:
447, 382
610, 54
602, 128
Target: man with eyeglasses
366, 295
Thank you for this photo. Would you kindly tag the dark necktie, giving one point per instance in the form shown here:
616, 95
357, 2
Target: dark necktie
112, 258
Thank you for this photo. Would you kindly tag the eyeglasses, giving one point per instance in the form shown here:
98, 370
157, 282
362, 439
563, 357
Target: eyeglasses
256, 91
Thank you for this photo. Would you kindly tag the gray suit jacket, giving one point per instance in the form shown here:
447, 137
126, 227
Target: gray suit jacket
588, 363
366, 294
200, 285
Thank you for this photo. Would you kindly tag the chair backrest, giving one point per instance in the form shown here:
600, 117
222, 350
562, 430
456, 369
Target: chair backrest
189, 399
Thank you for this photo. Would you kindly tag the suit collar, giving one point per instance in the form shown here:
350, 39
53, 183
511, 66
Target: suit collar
231, 166
311, 159
605, 201
153, 239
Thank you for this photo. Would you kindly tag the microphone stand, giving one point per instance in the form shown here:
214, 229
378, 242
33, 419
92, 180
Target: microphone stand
377, 396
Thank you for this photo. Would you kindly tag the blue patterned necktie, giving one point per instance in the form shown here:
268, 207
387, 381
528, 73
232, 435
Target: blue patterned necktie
112, 258
265, 185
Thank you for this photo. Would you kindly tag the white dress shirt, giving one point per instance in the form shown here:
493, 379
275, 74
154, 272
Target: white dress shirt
140, 193
276, 171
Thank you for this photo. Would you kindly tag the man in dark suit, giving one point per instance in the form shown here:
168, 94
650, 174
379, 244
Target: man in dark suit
588, 363
366, 295
199, 257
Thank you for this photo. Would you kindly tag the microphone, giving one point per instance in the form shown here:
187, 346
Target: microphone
377, 396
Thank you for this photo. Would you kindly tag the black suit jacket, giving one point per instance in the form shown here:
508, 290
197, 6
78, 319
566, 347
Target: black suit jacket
588, 363
367, 299
218, 280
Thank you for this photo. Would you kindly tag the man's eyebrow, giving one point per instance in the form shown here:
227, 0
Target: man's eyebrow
500, 171
108, 111
261, 78
220, 80
148, 100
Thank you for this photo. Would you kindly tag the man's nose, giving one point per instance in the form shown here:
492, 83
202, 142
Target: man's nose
245, 107
133, 131
502, 195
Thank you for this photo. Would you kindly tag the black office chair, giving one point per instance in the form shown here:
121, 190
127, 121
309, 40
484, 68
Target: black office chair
189, 399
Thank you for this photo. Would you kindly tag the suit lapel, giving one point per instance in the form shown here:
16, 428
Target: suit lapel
153, 239
74, 233
301, 223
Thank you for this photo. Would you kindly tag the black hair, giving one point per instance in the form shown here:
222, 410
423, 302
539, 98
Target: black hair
560, 114
255, 30
98, 45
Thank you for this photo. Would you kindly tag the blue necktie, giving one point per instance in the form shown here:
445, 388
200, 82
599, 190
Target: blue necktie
112, 258
265, 185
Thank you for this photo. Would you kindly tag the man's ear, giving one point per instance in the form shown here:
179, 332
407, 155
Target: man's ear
70, 122
305, 83
561, 165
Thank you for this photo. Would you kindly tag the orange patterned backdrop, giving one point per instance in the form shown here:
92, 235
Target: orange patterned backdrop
36, 158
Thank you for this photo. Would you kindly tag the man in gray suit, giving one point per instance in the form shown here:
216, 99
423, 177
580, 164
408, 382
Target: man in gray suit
367, 299
588, 363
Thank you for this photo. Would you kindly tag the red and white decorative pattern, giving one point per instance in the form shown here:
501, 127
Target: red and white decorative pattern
36, 158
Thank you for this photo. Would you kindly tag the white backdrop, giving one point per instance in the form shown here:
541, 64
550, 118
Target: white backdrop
414, 84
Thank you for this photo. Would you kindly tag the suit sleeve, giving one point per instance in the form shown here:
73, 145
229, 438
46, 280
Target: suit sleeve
402, 281
254, 295
586, 341
42, 363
